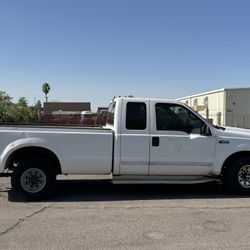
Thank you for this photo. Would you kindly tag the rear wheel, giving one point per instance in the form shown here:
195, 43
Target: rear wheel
237, 176
35, 178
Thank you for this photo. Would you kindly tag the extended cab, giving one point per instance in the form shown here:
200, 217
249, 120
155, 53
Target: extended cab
144, 141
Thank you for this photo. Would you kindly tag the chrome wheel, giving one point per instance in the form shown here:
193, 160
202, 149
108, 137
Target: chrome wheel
33, 180
244, 176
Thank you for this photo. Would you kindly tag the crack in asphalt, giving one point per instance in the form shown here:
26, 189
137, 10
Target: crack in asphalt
24, 219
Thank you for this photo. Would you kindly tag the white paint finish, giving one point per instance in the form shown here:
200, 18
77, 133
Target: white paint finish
180, 153
25, 142
134, 145
89, 151
134, 154
239, 140
86, 154
117, 136
80, 151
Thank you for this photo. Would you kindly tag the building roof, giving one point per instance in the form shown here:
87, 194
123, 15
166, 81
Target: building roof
49, 107
210, 92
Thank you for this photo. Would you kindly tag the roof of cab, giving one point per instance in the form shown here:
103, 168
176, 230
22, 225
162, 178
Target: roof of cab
147, 99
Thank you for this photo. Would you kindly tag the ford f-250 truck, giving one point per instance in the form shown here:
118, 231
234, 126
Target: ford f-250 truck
144, 141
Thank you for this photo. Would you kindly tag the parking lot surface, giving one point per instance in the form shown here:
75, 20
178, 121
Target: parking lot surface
91, 213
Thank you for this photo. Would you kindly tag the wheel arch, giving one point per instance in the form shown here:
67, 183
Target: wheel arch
232, 158
33, 152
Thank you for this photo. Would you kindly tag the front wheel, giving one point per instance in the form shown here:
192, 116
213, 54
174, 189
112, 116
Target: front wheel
237, 176
35, 178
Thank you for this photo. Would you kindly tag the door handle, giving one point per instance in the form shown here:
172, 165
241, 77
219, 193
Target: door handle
155, 141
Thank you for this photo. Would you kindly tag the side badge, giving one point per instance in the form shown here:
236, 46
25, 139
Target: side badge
224, 141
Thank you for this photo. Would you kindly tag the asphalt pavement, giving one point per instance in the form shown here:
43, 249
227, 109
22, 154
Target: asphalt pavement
92, 213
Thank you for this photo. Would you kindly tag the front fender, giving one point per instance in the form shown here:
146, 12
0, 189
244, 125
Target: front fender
223, 152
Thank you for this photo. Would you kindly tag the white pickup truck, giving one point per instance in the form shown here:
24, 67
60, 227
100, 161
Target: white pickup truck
144, 141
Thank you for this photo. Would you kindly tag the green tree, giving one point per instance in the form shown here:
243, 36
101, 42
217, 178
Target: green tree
22, 102
19, 112
5, 102
46, 89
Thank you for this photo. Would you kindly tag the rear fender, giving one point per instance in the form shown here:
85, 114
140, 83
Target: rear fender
23, 143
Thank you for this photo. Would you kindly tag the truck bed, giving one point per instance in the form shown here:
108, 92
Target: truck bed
80, 150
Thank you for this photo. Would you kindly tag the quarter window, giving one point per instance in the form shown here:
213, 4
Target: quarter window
136, 118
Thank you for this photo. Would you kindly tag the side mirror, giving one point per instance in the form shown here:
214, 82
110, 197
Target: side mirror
206, 130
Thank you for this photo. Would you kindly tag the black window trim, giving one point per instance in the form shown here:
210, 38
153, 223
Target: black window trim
146, 116
188, 109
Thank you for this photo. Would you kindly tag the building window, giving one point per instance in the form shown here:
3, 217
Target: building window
187, 102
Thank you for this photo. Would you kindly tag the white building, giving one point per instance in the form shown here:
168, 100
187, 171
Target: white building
228, 107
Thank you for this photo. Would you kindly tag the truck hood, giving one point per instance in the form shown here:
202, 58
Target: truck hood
232, 132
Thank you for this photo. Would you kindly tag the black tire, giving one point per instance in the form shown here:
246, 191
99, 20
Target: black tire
237, 176
35, 178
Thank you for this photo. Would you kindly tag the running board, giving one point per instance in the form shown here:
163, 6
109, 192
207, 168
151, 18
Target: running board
137, 179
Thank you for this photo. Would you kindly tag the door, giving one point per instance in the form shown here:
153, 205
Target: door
181, 142
134, 138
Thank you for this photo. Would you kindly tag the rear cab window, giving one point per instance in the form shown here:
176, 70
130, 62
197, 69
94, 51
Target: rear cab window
136, 116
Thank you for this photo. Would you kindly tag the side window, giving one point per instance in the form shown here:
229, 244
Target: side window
136, 117
174, 117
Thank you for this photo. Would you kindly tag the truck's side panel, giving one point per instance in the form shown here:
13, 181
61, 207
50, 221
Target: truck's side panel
179, 152
117, 137
135, 130
80, 151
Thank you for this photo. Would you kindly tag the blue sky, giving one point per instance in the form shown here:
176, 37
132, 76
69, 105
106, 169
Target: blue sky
92, 50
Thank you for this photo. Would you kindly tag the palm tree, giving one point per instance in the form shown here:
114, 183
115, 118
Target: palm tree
46, 89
